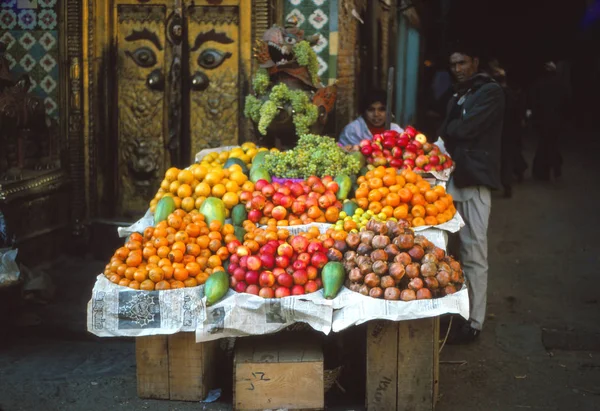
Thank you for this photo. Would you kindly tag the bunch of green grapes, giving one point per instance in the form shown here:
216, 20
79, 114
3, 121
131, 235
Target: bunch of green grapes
252, 108
260, 82
314, 155
307, 57
268, 111
305, 113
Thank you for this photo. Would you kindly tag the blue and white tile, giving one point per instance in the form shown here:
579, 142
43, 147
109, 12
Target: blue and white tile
8, 19
47, 19
318, 19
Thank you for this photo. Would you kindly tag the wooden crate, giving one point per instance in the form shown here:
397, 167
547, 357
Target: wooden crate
402, 365
273, 373
174, 367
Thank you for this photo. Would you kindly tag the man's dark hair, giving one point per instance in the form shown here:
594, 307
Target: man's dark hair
467, 48
374, 96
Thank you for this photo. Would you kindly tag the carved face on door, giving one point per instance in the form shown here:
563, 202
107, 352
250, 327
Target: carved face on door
213, 35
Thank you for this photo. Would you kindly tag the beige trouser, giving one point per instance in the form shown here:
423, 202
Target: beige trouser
474, 205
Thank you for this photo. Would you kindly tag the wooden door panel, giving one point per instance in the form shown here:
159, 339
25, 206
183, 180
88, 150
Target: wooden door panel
142, 59
214, 67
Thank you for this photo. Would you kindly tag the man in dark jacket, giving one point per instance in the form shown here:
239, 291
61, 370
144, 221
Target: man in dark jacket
472, 133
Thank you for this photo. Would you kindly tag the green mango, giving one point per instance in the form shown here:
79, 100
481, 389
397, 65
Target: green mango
333, 276
349, 207
363, 171
213, 208
232, 161
216, 287
345, 185
259, 173
361, 158
259, 159
165, 206
239, 214
239, 233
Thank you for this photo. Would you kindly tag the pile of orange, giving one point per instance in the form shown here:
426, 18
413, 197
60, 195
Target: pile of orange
182, 251
190, 187
404, 196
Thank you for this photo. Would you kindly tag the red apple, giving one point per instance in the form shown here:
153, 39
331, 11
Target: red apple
332, 186
254, 264
397, 152
318, 260
234, 259
277, 271
389, 142
268, 249
434, 160
427, 147
251, 277
286, 201
232, 267
411, 131
285, 190
396, 162
252, 289
260, 184
403, 140
254, 216
311, 287
277, 198
239, 274
439, 167
319, 282
268, 190
232, 246
285, 280
279, 213
233, 282
297, 290
390, 134
298, 207
409, 155
300, 277
242, 251
324, 202
379, 161
378, 138
266, 292
281, 292
420, 161
364, 142
299, 265
244, 260
299, 243
304, 257
241, 287
282, 261
366, 150
411, 147
266, 279
409, 162
315, 246
285, 249
268, 209
311, 272
417, 144
267, 261
328, 243
428, 167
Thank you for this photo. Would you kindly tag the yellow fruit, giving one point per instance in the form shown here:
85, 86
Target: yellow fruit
234, 167
246, 158
184, 191
251, 152
263, 149
200, 172
212, 178
218, 190
154, 202
230, 199
165, 184
202, 189
223, 157
174, 186
199, 201
239, 177
232, 187
177, 201
185, 176
187, 204
248, 146
194, 184
248, 186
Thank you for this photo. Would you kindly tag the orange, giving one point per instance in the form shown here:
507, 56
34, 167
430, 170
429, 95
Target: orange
441, 218
238, 177
375, 183
177, 284
203, 241
122, 253
215, 226
171, 174
418, 221
176, 256
431, 210
218, 190
214, 245
163, 251
410, 176
430, 220
156, 274
418, 199
213, 178
440, 190
389, 180
134, 284
164, 185
184, 191
332, 214
375, 207
388, 211
222, 253
188, 204
180, 274
230, 199
232, 186
362, 203
423, 186
202, 189
400, 180
193, 230
374, 195
405, 195
162, 285
418, 211
440, 205
124, 282
179, 245
182, 237
190, 282
248, 186
401, 212
214, 261
392, 199
379, 172
140, 275
129, 271
361, 192
185, 177
200, 172
134, 260
202, 277
174, 186
168, 271
174, 221
148, 252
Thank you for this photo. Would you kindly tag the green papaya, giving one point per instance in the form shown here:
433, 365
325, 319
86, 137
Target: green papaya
231, 161
361, 158
213, 208
239, 214
363, 171
165, 206
239, 233
333, 276
216, 287
259, 173
345, 185
349, 207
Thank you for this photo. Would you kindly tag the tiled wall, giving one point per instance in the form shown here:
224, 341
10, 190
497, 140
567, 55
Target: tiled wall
30, 29
319, 16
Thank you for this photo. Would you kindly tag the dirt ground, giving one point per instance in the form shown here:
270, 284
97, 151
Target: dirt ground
540, 349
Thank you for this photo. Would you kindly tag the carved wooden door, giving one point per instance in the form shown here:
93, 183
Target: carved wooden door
179, 71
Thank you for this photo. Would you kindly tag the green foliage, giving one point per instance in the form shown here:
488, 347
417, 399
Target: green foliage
306, 56
314, 155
